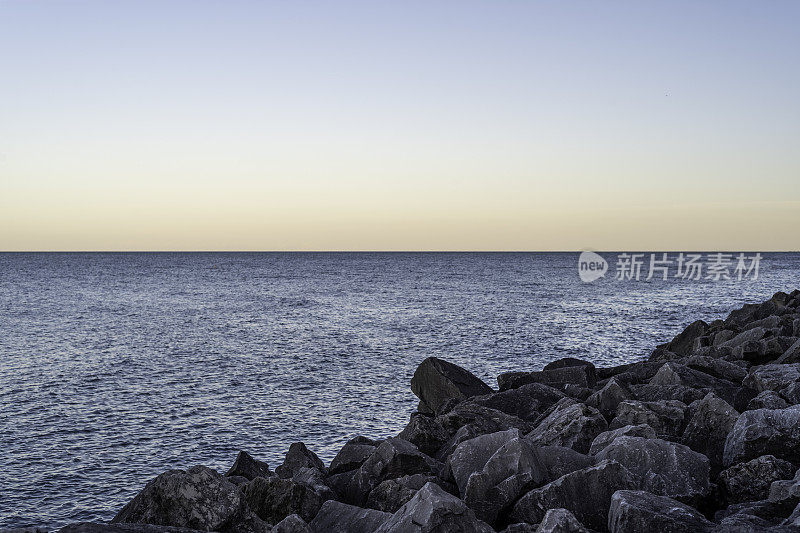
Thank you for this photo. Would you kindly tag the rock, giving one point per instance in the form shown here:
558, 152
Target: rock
274, 498
97, 527
750, 335
247, 467
675, 374
426, 433
521, 528
581, 375
567, 362
635, 511
607, 437
744, 523
299, 457
783, 489
574, 426
683, 342
791, 355
791, 394
292, 524
586, 493
525, 402
764, 432
438, 383
560, 521
392, 494
772, 377
664, 468
199, 498
607, 399
767, 400
432, 510
471, 455
717, 368
769, 511
656, 393
481, 420
354, 453
630, 373
343, 518
392, 459
316, 480
751, 481
708, 427
664, 416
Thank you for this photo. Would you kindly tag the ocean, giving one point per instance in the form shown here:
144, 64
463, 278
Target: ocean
115, 367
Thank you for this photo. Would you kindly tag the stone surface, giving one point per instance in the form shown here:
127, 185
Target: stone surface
98, 527
560, 521
343, 518
581, 375
708, 427
607, 437
199, 498
299, 457
608, 398
573, 426
247, 467
392, 494
772, 376
437, 383
664, 416
764, 432
750, 481
767, 400
471, 455
683, 342
353, 454
292, 524
635, 511
274, 498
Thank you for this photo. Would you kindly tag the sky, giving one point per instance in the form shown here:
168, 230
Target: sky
431, 125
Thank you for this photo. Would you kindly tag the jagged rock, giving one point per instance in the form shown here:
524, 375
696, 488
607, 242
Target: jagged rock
783, 489
566, 362
791, 394
770, 511
772, 377
717, 368
792, 354
664, 468
424, 432
97, 527
274, 498
353, 454
764, 432
247, 467
607, 437
560, 521
586, 493
675, 374
751, 481
607, 399
299, 457
393, 458
581, 375
392, 494
750, 335
767, 400
683, 342
343, 518
515, 468
521, 528
316, 480
636, 511
482, 420
708, 427
656, 393
630, 373
664, 416
438, 383
744, 523
525, 402
292, 524
199, 498
574, 426
471, 455
432, 510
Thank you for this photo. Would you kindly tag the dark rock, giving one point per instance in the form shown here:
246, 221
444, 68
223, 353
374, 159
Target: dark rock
770, 511
717, 368
767, 400
744, 523
471, 455
292, 524
582, 375
586, 493
521, 528
764, 432
525, 402
675, 374
560, 521
316, 480
683, 342
772, 376
355, 452
424, 432
663, 468
274, 498
607, 437
432, 510
664, 416
711, 421
608, 398
783, 489
791, 394
247, 467
437, 383
636, 511
574, 426
656, 393
199, 498
631, 373
751, 481
343, 518
392, 494
299, 457
791, 355
566, 362
98, 527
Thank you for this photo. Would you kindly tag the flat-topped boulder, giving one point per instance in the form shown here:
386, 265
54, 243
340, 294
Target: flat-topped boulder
438, 383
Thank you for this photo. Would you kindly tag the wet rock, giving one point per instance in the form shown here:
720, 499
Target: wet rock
607, 437
392, 494
764, 432
343, 518
560, 521
664, 416
586, 493
438, 383
581, 375
664, 468
247, 467
433, 510
292, 524
471, 455
274, 498
608, 398
772, 377
708, 427
573, 426
199, 498
353, 454
767, 400
751, 481
636, 511
299, 457
744, 523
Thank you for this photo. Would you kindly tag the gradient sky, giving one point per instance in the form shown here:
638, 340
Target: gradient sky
399, 125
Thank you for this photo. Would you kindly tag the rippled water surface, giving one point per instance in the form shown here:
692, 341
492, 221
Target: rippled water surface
116, 367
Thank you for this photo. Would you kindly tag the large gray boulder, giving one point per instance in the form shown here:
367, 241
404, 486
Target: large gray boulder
636, 511
425, 432
784, 489
274, 498
101, 527
392, 494
718, 368
343, 518
750, 481
291, 524
607, 437
198, 498
352, 455
525, 402
711, 420
682, 343
573, 426
764, 432
586, 493
772, 377
767, 400
581, 375
471, 455
438, 384
664, 416
608, 398
677, 374
247, 467
792, 354
663, 468
299, 457
560, 521
432, 510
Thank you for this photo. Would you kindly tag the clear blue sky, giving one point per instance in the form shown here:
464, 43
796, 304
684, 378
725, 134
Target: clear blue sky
399, 125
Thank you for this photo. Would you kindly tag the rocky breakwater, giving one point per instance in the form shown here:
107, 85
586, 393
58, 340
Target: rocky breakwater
704, 436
